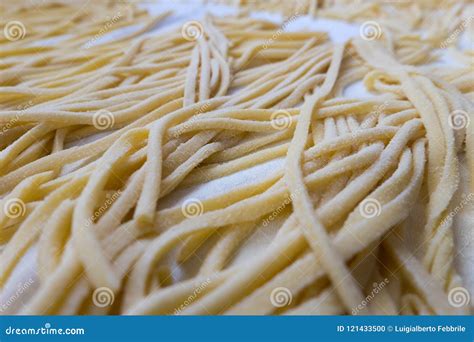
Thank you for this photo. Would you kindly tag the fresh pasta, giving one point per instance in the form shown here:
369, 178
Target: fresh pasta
338, 205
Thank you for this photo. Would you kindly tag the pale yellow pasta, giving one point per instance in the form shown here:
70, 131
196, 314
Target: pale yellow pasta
107, 147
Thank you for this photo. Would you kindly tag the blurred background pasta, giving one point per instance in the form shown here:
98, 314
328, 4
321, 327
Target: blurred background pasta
154, 160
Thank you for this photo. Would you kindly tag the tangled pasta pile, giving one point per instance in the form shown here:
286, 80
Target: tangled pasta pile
96, 135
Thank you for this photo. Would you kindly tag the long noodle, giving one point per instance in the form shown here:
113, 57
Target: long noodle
101, 142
